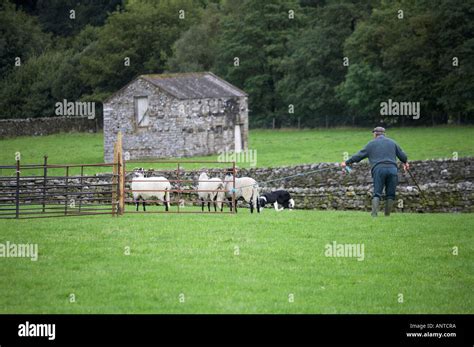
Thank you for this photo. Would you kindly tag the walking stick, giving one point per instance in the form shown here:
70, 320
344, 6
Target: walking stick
416, 183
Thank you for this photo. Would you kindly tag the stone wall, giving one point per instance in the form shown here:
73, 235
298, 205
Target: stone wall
447, 185
46, 126
177, 128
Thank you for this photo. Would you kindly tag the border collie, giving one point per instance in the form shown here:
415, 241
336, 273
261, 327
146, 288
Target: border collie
281, 197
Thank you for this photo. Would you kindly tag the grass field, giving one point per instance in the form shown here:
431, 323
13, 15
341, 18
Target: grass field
274, 148
279, 254
243, 263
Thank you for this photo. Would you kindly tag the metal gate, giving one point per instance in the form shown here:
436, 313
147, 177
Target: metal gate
44, 190
52, 190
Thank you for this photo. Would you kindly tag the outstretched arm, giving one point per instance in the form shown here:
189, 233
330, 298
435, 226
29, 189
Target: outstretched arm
361, 155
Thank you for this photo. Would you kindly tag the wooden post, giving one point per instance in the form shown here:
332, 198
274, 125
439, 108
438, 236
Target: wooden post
122, 187
114, 181
121, 175
118, 180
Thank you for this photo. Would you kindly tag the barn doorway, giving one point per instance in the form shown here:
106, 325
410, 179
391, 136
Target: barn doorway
141, 108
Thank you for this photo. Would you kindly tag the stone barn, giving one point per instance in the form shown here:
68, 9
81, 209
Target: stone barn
176, 115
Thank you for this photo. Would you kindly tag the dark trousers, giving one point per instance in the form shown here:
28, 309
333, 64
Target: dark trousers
385, 177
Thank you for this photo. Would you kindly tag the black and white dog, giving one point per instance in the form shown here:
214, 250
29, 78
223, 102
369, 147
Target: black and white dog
281, 197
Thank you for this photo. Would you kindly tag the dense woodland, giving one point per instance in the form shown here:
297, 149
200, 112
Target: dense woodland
316, 63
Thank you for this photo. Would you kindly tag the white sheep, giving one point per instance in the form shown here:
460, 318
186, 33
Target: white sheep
207, 191
245, 187
146, 188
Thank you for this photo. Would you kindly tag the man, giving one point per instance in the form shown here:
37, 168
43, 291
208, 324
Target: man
382, 153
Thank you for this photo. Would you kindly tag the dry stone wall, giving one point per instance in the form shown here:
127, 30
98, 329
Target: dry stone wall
46, 126
447, 185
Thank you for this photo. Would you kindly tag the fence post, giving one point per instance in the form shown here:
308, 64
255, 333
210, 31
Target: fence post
114, 181
81, 180
121, 176
17, 197
179, 187
234, 203
67, 189
122, 173
45, 173
118, 180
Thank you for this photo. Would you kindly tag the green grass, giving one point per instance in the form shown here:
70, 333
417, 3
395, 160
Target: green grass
280, 253
274, 148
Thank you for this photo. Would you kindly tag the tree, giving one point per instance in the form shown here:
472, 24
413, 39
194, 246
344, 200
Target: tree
196, 49
315, 65
363, 90
135, 41
26, 91
20, 36
251, 46
455, 33
55, 15
412, 53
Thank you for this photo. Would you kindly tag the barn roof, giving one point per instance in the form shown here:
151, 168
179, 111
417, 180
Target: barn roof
196, 85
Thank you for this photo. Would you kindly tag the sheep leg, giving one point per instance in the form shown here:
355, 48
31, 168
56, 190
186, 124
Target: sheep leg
208, 205
230, 203
167, 201
137, 202
202, 204
215, 203
252, 198
144, 205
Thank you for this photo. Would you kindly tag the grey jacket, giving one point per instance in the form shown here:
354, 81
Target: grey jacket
380, 151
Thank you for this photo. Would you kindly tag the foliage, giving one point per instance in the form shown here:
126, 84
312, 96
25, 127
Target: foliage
20, 36
331, 64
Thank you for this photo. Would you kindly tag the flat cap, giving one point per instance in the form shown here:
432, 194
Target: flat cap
379, 130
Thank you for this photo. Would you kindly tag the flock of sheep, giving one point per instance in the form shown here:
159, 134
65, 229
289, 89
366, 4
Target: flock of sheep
146, 187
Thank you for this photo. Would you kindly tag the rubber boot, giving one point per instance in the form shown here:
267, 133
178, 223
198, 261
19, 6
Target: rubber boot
375, 206
388, 206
